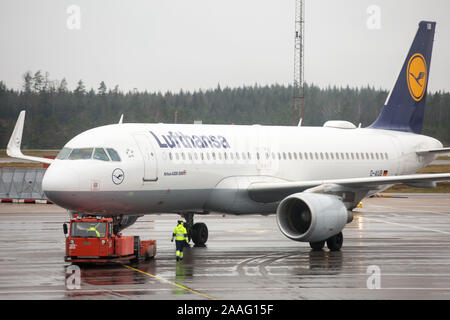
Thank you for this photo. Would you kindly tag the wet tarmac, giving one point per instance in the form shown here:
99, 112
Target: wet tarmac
396, 248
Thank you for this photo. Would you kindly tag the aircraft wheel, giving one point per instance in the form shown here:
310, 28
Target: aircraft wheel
317, 245
335, 242
200, 234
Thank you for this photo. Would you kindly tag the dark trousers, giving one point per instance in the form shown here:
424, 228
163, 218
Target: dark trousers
180, 245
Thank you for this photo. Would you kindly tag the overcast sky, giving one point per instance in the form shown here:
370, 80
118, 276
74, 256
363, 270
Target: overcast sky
196, 44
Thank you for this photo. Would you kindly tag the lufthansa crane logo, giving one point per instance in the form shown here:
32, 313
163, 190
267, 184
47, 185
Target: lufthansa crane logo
416, 75
118, 176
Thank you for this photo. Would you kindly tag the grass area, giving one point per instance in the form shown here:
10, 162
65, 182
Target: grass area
21, 165
34, 153
443, 158
442, 187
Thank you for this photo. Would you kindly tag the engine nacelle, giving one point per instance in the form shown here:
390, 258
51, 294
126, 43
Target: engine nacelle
311, 217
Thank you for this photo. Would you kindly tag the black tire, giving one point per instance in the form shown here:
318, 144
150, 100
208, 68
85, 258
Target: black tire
200, 234
317, 245
335, 242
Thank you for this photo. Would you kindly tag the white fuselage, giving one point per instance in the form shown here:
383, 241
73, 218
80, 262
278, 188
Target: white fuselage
196, 168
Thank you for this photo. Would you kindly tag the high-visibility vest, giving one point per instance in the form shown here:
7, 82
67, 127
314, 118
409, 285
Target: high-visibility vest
180, 232
93, 229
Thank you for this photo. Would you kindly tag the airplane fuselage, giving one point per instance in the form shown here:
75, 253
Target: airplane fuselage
169, 168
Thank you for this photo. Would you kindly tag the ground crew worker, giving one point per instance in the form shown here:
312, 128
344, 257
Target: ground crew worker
180, 235
95, 230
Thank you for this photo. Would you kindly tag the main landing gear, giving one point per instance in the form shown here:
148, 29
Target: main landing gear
334, 243
198, 232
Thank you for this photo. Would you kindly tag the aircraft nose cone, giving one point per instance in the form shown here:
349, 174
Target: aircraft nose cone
59, 179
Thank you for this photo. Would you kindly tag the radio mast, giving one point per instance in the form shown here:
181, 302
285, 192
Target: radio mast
299, 68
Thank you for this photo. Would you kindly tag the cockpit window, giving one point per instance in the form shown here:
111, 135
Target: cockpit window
84, 153
88, 229
100, 154
113, 154
63, 154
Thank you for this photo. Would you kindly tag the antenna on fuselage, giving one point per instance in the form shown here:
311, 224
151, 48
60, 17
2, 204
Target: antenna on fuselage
121, 119
300, 122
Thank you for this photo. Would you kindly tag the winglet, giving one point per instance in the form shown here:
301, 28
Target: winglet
13, 148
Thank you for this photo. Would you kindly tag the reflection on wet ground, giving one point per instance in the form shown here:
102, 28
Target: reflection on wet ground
406, 239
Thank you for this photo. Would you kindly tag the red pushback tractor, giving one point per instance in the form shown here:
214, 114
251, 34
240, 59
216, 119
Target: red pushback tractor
93, 240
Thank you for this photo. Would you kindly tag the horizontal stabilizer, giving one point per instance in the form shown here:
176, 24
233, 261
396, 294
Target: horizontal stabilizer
434, 151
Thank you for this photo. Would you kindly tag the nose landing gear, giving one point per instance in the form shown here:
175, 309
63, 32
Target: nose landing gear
198, 232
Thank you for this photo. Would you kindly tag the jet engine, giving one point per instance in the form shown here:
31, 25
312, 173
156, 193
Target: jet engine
312, 217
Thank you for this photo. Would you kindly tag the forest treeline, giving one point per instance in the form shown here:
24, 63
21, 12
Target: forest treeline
55, 114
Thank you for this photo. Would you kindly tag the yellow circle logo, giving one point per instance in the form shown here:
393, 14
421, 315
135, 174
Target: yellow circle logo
416, 75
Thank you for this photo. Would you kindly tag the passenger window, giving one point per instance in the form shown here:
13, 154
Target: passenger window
362, 156
63, 154
300, 156
100, 154
77, 154
306, 156
381, 156
113, 154
386, 155
337, 156
290, 156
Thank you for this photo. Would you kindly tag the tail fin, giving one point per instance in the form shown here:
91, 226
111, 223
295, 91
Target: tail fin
405, 106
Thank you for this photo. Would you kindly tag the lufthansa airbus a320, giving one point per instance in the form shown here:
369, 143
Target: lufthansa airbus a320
311, 177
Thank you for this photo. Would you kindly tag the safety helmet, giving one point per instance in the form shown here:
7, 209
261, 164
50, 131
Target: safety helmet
180, 221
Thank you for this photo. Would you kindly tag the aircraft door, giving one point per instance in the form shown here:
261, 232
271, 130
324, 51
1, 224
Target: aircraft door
149, 156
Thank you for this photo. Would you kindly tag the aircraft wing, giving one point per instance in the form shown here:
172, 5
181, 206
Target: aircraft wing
276, 191
434, 151
13, 148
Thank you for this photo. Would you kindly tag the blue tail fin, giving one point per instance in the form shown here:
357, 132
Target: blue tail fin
405, 106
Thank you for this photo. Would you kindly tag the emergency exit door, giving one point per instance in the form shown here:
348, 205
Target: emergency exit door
149, 157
